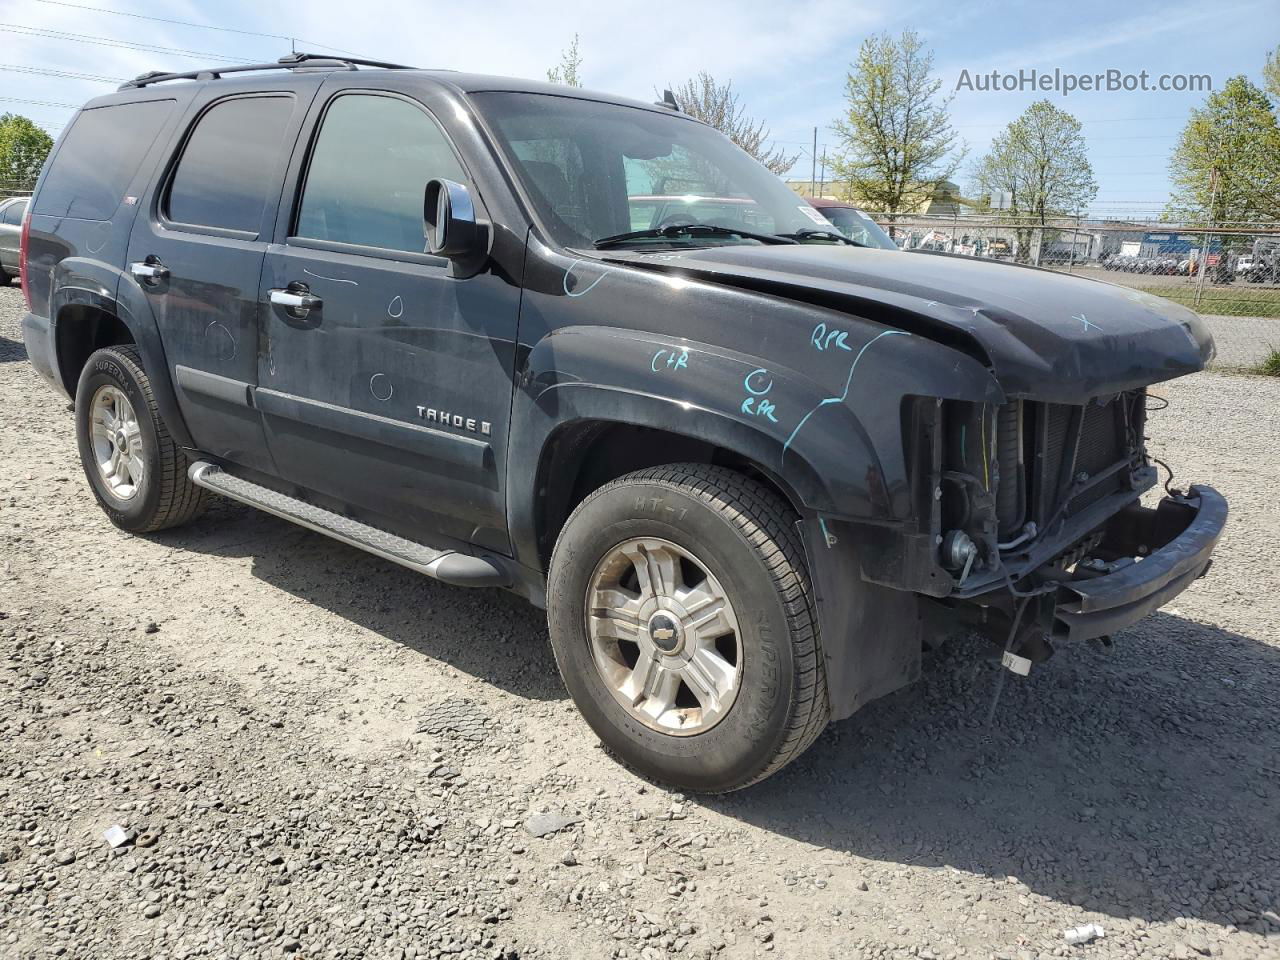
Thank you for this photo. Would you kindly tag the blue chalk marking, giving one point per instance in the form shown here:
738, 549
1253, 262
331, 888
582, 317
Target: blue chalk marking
583, 292
822, 338
847, 383
1087, 322
751, 376
826, 534
675, 361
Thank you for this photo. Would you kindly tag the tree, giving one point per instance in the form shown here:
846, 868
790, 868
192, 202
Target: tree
717, 105
896, 140
570, 63
1040, 162
23, 148
1271, 74
1224, 168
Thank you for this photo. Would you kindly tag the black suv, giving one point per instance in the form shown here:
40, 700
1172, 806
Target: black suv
749, 466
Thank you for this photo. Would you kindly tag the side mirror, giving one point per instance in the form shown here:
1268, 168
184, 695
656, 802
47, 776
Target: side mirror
452, 228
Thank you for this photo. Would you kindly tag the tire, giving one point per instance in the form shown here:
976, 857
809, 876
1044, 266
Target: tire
743, 538
163, 496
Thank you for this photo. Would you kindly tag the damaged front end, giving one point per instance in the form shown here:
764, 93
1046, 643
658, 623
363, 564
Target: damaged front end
1041, 526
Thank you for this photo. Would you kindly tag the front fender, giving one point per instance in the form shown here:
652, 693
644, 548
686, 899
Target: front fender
831, 434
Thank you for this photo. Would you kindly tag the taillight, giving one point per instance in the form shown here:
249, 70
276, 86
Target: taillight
23, 250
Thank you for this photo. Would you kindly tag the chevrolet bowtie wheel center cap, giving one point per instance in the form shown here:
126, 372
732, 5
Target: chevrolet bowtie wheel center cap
665, 633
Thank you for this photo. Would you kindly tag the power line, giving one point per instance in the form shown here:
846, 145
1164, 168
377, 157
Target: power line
198, 26
42, 103
26, 31
14, 68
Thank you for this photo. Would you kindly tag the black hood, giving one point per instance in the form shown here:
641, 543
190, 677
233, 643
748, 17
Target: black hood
1045, 335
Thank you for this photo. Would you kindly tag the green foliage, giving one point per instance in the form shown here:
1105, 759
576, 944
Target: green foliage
1041, 161
716, 104
567, 72
896, 140
23, 148
1270, 367
1225, 166
1271, 73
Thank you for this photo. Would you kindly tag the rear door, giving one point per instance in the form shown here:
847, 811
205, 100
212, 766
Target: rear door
391, 393
197, 255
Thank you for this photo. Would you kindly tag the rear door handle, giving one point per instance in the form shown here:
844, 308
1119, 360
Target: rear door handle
150, 270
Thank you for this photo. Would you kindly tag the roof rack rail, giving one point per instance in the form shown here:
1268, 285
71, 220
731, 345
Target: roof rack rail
292, 61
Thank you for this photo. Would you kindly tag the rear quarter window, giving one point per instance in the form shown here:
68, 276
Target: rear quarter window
98, 158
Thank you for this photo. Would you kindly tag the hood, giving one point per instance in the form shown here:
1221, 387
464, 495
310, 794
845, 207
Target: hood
1045, 335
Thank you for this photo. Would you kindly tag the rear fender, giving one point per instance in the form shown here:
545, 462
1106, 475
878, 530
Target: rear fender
89, 283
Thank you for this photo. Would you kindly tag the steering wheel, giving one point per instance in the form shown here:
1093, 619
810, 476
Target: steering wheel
676, 220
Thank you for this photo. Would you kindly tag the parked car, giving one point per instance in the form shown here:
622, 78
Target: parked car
853, 223
750, 472
1244, 263
11, 213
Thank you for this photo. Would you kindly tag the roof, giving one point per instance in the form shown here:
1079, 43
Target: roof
466, 83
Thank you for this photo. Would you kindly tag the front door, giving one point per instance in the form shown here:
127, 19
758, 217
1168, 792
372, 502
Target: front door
197, 257
385, 383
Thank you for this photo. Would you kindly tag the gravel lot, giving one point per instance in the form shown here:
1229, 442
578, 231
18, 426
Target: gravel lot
245, 697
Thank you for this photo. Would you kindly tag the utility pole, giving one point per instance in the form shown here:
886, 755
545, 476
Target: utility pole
822, 180
813, 173
1204, 246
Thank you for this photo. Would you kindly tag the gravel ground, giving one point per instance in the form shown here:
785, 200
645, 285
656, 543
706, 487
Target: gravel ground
319, 754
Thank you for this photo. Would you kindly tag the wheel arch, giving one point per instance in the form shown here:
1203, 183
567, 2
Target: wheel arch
586, 454
91, 309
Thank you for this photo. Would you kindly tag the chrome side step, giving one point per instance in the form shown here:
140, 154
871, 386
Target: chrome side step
446, 565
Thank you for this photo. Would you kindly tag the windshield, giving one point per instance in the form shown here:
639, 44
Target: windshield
857, 226
599, 170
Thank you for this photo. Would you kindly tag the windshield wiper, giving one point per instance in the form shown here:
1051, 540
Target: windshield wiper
801, 235
690, 229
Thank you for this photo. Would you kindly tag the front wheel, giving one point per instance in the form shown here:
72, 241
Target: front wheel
682, 622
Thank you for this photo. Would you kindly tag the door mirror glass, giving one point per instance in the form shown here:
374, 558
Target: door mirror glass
450, 226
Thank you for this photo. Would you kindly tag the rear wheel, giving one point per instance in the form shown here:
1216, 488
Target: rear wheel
682, 623
137, 472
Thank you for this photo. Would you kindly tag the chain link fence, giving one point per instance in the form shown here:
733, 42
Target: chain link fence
15, 188
1228, 273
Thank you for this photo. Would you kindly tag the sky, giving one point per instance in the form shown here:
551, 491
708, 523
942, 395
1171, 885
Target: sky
788, 61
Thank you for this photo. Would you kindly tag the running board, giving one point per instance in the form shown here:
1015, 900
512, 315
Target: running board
449, 566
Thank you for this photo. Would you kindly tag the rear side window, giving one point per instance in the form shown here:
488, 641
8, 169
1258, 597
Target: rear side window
368, 173
13, 213
230, 164
98, 158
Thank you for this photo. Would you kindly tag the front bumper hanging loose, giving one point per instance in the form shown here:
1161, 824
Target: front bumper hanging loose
1153, 554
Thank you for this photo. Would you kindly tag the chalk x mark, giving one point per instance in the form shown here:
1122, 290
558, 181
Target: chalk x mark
1087, 322
847, 384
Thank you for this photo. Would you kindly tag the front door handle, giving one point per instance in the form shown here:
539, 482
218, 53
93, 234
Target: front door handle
150, 270
296, 299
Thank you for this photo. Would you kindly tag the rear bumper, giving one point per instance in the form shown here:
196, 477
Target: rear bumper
37, 335
1150, 556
